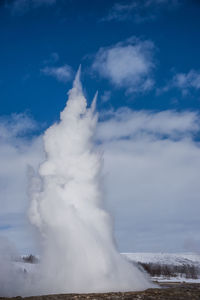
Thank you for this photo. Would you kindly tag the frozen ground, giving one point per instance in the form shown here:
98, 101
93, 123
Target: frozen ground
176, 259
176, 279
165, 258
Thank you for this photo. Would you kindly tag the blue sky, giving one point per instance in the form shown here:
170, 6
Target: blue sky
75, 31
143, 58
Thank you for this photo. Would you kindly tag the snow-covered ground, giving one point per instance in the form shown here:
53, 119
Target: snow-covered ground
175, 259
165, 258
176, 279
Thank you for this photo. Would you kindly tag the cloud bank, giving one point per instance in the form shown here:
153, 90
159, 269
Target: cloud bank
151, 165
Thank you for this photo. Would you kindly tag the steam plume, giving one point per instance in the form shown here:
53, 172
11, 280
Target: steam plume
79, 253
78, 248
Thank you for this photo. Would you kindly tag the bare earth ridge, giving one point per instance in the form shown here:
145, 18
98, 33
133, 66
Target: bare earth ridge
183, 291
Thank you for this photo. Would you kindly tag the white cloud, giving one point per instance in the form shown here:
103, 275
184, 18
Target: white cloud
20, 7
134, 124
127, 64
151, 169
62, 73
187, 80
138, 10
16, 125
184, 82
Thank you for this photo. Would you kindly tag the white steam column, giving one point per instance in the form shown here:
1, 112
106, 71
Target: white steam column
79, 252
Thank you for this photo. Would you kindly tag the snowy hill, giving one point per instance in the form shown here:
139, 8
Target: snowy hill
176, 259
176, 267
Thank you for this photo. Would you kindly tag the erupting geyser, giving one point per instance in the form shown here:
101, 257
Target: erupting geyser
79, 252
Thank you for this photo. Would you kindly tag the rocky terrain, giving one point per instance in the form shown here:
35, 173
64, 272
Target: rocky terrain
170, 291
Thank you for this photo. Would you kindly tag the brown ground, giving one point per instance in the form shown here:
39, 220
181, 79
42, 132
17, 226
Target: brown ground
181, 291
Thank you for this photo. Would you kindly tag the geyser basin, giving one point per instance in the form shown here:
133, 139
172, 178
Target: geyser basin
79, 252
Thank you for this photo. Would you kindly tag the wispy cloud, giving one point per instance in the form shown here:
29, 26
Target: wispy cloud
16, 125
20, 7
63, 73
168, 124
185, 82
52, 59
138, 10
106, 96
127, 64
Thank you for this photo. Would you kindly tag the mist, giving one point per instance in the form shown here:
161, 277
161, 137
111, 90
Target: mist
11, 280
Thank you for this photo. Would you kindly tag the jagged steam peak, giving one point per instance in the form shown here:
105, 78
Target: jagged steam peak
77, 81
94, 102
76, 104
